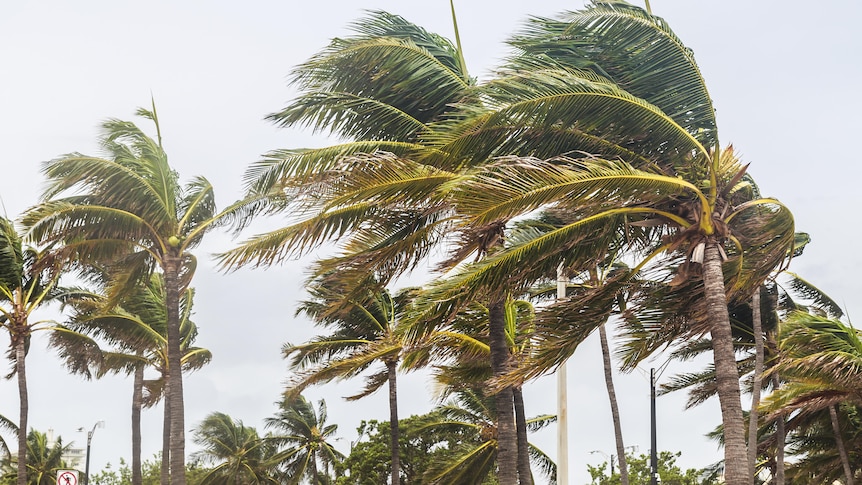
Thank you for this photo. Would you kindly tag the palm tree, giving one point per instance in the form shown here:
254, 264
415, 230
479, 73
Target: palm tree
820, 359
7, 425
44, 458
135, 330
367, 331
304, 441
616, 78
473, 415
27, 280
241, 457
131, 211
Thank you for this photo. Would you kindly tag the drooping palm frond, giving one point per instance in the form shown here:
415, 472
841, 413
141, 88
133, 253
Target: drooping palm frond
567, 106
635, 49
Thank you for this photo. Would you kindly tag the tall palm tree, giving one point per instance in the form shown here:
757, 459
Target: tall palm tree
27, 280
135, 331
618, 79
473, 414
130, 209
366, 331
239, 455
304, 441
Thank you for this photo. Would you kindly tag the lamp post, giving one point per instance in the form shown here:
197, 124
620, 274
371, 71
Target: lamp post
99, 424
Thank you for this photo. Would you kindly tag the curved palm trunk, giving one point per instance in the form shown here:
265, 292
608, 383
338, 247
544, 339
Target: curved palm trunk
137, 403
615, 411
757, 332
177, 410
24, 403
839, 443
393, 423
525, 474
166, 436
507, 438
726, 373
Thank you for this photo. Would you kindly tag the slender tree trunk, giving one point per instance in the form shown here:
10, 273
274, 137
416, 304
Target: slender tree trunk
393, 422
172, 305
314, 476
780, 438
507, 437
780, 433
757, 332
525, 474
166, 435
726, 373
137, 403
615, 411
839, 443
23, 400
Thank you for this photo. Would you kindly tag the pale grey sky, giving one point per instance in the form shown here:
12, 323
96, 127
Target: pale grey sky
782, 74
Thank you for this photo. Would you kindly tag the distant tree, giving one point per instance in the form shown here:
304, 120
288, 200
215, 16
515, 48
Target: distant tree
195, 471
420, 447
304, 441
44, 458
237, 452
134, 334
365, 332
639, 472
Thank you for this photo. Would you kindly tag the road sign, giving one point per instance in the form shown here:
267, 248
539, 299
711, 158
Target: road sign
67, 477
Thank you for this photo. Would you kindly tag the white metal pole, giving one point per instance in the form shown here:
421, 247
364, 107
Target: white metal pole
562, 402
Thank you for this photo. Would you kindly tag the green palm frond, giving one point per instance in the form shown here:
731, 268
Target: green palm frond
514, 186
638, 51
296, 167
534, 102
819, 299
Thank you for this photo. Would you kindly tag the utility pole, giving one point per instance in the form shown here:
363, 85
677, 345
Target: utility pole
562, 401
653, 459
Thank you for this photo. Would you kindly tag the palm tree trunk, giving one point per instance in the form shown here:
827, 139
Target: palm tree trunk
393, 422
726, 373
780, 433
315, 479
166, 435
615, 411
177, 412
507, 437
757, 332
839, 443
24, 403
525, 474
137, 403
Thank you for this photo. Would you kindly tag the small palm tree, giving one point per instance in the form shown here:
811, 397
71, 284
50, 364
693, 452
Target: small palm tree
44, 459
136, 335
239, 455
304, 442
472, 414
366, 331
27, 281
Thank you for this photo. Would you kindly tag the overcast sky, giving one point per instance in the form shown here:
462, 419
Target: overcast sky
784, 77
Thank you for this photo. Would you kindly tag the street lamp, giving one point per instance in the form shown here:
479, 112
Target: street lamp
99, 424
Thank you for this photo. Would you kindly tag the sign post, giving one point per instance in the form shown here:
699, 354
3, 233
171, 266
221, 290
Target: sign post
67, 477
